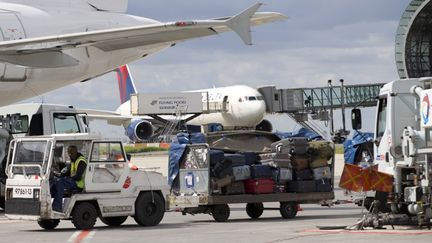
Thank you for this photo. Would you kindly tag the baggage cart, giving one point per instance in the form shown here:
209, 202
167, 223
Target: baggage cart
196, 192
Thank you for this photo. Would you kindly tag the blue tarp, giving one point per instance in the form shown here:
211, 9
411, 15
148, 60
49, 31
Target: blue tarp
177, 150
302, 132
352, 145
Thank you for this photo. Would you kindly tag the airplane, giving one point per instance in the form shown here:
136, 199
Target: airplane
48, 44
238, 107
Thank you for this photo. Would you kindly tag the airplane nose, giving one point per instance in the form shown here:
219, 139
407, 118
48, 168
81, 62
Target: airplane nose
254, 112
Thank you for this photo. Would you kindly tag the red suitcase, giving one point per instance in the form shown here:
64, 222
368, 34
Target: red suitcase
259, 186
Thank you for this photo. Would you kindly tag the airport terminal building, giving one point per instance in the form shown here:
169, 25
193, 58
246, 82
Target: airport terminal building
414, 41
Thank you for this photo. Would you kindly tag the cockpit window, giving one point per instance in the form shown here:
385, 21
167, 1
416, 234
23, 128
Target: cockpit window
260, 98
252, 98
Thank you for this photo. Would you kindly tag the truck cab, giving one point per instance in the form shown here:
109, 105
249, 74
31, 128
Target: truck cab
113, 188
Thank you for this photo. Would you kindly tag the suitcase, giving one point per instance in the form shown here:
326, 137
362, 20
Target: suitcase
273, 156
250, 157
241, 172
301, 186
276, 160
303, 175
321, 149
316, 163
216, 156
282, 175
222, 169
236, 159
225, 181
234, 188
322, 173
261, 171
298, 146
259, 186
300, 162
323, 185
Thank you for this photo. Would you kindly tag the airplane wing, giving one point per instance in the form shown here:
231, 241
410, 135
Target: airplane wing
111, 117
46, 52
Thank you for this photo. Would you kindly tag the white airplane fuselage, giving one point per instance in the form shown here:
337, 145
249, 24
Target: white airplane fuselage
239, 106
233, 107
21, 21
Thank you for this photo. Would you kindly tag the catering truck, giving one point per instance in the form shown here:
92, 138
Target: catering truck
403, 151
290, 172
114, 189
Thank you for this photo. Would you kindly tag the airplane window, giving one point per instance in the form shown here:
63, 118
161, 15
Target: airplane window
252, 98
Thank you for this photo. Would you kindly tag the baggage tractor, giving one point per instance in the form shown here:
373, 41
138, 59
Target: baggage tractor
300, 162
261, 171
303, 175
234, 188
241, 173
250, 157
259, 186
216, 156
322, 173
301, 186
236, 159
282, 175
323, 185
222, 169
316, 163
298, 146
321, 149
276, 160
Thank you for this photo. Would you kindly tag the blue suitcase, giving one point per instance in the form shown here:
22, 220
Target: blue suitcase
216, 156
261, 171
323, 185
236, 159
301, 186
241, 173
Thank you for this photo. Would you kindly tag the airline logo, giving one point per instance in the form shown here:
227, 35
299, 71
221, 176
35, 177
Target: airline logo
126, 86
425, 109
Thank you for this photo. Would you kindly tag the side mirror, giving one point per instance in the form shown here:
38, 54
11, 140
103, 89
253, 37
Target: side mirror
356, 120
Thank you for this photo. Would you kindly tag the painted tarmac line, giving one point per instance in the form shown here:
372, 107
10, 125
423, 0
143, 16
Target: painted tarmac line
82, 236
371, 232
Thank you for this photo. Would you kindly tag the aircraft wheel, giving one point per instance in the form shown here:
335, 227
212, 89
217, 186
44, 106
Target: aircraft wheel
220, 212
254, 210
113, 221
84, 215
48, 224
149, 209
288, 210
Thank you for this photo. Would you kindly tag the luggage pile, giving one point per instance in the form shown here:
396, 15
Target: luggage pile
293, 165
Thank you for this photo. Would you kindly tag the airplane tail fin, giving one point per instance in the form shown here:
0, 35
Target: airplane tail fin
126, 84
241, 23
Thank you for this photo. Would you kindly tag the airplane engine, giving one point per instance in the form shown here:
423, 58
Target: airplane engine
139, 130
264, 125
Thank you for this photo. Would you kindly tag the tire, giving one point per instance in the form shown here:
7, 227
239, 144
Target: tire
220, 212
84, 215
254, 210
113, 221
288, 210
149, 209
48, 224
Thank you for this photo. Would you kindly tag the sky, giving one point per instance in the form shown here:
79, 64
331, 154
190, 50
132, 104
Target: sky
321, 40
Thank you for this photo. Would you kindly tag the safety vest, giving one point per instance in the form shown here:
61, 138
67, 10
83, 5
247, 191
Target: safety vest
74, 168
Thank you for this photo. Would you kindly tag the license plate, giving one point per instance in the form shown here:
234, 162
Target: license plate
22, 192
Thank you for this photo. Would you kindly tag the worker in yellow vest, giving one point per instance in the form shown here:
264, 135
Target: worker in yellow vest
72, 178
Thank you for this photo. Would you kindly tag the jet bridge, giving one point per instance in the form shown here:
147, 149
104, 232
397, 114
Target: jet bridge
304, 105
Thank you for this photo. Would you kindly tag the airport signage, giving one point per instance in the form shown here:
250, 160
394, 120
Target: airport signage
166, 103
425, 108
